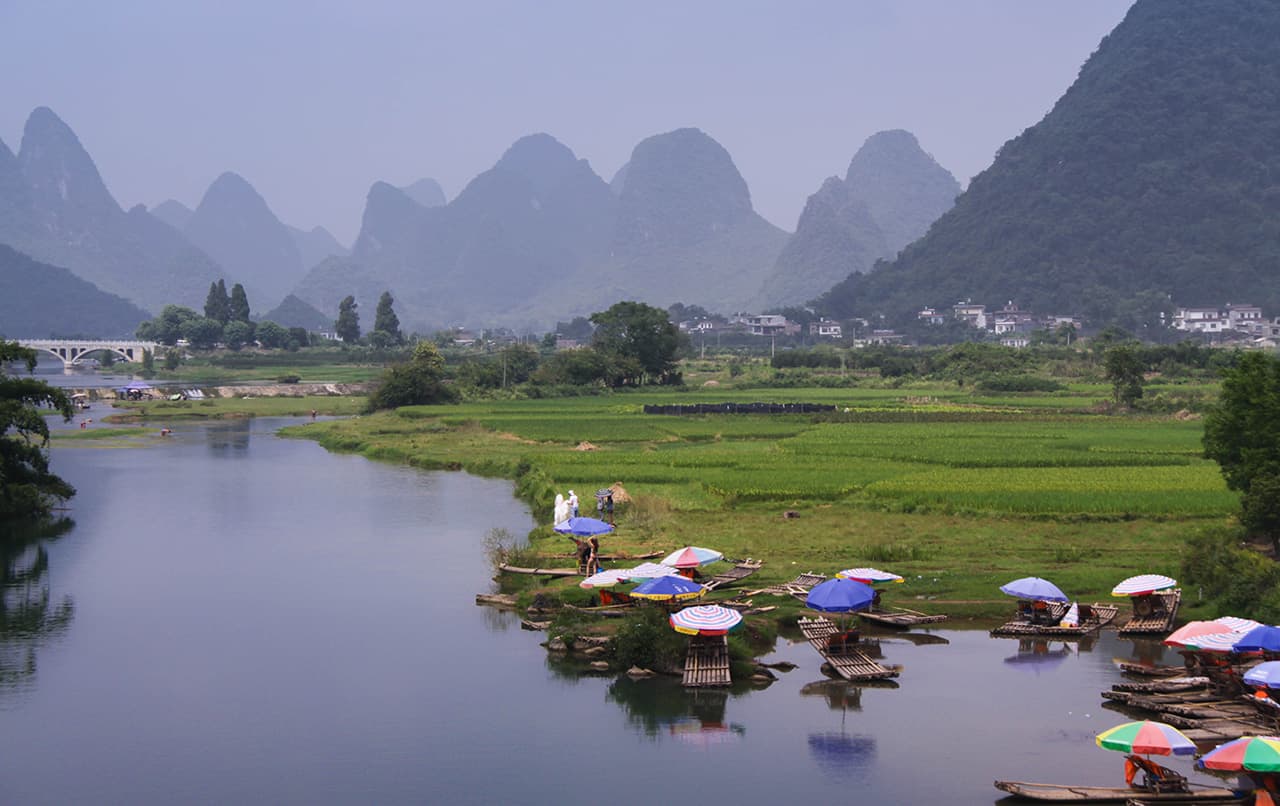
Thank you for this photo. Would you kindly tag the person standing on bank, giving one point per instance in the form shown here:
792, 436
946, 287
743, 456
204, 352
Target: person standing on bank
573, 503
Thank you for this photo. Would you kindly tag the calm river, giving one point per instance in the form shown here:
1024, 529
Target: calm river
237, 618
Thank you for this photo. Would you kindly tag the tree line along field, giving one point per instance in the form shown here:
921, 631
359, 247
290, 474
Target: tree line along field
958, 494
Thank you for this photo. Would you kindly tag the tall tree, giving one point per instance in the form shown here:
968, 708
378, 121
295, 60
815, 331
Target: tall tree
1124, 369
1242, 432
238, 305
27, 487
639, 332
216, 304
385, 319
348, 324
418, 382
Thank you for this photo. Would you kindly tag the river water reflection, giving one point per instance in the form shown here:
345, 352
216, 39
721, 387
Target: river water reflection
237, 618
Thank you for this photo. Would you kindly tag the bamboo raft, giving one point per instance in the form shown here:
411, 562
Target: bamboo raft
549, 572
1153, 614
1109, 794
1143, 670
707, 662
1093, 617
900, 618
798, 587
1194, 708
851, 663
737, 573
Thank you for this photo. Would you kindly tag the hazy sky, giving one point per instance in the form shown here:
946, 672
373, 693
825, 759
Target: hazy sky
313, 101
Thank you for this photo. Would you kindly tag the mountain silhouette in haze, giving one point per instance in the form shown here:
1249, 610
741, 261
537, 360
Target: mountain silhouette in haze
174, 213
426, 192
686, 230
293, 312
540, 236
889, 196
55, 208
1152, 183
315, 244
234, 225
42, 301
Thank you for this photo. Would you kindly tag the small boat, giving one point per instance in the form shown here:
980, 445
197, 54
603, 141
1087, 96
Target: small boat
1111, 794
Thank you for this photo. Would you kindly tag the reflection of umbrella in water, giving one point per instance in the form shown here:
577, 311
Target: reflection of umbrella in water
842, 754
704, 734
1039, 657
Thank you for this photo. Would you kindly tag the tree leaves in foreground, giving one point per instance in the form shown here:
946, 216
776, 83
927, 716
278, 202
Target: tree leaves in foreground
27, 488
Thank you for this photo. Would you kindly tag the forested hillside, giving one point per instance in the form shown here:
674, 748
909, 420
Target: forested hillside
1153, 182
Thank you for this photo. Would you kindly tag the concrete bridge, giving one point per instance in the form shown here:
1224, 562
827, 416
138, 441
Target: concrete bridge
71, 351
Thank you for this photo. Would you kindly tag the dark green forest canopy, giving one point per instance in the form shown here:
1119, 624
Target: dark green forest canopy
1153, 183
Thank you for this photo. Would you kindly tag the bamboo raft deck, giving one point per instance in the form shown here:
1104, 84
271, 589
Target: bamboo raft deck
737, 573
1191, 705
900, 618
1062, 793
853, 663
707, 662
549, 572
798, 587
1154, 614
1099, 615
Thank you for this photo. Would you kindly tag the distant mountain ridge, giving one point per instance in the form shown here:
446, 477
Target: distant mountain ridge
890, 195
234, 225
42, 301
540, 236
55, 207
1152, 183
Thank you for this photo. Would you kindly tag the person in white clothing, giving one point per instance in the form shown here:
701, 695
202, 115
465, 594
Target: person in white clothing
573, 503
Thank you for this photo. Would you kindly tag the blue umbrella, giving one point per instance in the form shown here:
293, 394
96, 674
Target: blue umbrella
1034, 588
1260, 639
1264, 674
668, 589
840, 596
584, 527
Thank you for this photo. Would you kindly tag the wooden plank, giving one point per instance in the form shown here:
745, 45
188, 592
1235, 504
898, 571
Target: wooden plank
853, 663
1160, 621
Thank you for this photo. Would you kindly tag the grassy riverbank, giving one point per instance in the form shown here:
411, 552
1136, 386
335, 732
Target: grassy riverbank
160, 411
959, 493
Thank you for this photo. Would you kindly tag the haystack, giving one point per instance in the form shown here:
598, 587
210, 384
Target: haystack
585, 446
620, 495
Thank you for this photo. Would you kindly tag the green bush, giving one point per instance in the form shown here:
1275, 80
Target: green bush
1018, 383
1237, 580
646, 639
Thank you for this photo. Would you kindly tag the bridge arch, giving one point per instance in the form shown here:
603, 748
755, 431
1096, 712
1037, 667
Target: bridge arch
71, 351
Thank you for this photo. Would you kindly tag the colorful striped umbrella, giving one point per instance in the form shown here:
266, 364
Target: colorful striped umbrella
1143, 584
1034, 588
675, 588
1251, 753
691, 557
839, 596
1217, 640
604, 579
1192, 630
1146, 737
868, 575
1264, 674
706, 620
1238, 624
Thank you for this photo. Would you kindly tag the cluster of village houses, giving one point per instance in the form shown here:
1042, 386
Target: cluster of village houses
1011, 325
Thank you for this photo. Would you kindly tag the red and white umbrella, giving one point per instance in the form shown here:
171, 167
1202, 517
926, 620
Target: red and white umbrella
691, 557
1143, 584
868, 576
706, 620
615, 576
